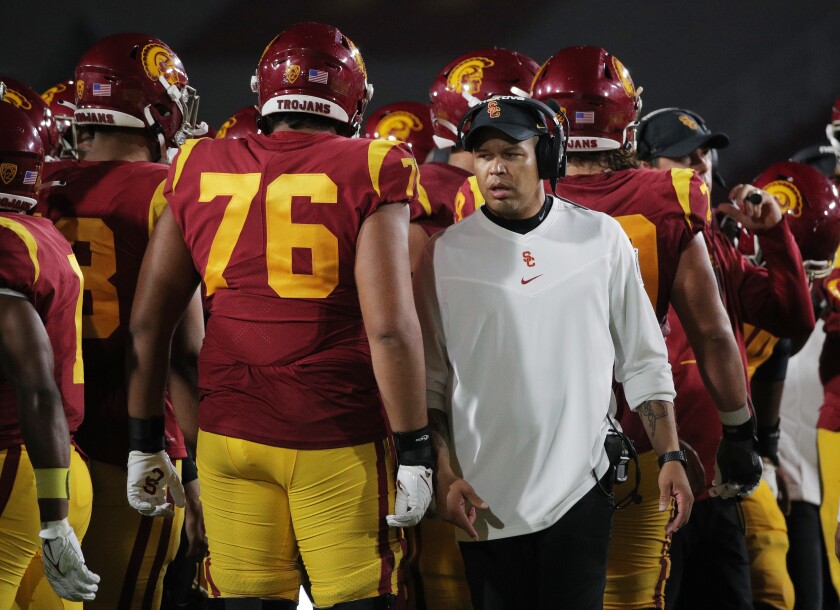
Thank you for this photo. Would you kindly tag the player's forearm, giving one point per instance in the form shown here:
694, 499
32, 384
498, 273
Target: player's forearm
43, 426
147, 365
721, 368
398, 364
660, 425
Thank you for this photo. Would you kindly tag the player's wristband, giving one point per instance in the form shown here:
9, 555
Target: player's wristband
768, 442
414, 448
189, 472
52, 483
146, 435
738, 425
673, 456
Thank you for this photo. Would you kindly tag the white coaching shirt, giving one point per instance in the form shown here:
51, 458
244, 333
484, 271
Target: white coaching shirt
522, 335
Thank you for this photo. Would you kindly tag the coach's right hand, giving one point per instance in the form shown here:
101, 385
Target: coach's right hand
149, 475
457, 501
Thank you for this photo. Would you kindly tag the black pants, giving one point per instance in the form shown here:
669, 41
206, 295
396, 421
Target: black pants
807, 559
709, 563
564, 566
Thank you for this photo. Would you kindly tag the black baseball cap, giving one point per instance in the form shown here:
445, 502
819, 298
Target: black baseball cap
513, 119
673, 132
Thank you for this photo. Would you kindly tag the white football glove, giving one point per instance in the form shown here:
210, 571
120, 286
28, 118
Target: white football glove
64, 563
414, 494
149, 474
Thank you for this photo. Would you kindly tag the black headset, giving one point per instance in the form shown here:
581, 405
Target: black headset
551, 145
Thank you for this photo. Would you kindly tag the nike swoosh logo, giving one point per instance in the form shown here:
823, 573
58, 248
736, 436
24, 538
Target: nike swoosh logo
524, 281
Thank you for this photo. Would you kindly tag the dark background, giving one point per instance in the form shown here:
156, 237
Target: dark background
765, 72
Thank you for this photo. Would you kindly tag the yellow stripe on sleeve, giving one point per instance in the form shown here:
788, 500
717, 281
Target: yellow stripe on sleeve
78, 363
183, 155
377, 151
681, 180
156, 206
27, 238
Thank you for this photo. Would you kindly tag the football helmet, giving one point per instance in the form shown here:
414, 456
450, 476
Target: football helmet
61, 98
811, 203
472, 78
242, 123
136, 80
595, 92
313, 68
27, 99
21, 159
408, 122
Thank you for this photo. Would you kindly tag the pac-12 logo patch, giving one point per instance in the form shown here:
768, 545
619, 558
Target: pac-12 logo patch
788, 196
8, 171
292, 72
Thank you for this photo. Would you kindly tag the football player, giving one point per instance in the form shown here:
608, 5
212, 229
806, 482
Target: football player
133, 97
773, 297
41, 388
299, 238
665, 215
811, 204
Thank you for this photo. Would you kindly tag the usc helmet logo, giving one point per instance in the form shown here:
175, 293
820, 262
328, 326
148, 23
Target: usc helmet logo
17, 99
688, 122
354, 51
157, 61
623, 76
788, 196
833, 288
50, 93
468, 75
225, 126
398, 125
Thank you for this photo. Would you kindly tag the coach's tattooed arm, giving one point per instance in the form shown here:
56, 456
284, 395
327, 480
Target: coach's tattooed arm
660, 425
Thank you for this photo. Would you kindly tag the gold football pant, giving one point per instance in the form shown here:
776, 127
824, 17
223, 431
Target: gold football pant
130, 552
437, 580
267, 507
828, 445
639, 562
22, 580
767, 547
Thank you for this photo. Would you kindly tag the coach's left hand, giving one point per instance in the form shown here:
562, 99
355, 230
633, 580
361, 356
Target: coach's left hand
673, 482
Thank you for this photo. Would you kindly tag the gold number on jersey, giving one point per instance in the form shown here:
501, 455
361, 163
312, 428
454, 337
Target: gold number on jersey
241, 188
282, 235
642, 234
105, 318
